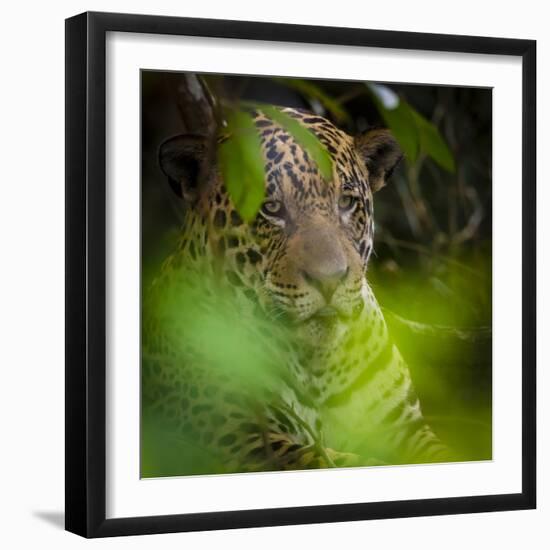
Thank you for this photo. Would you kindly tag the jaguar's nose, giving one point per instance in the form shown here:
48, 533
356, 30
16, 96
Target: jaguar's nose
326, 281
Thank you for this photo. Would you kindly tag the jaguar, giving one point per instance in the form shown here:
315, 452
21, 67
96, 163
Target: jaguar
322, 384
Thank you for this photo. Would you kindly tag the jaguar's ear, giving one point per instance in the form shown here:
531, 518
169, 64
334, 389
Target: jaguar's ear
180, 159
381, 154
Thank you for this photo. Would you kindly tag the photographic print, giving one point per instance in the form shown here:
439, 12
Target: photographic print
316, 274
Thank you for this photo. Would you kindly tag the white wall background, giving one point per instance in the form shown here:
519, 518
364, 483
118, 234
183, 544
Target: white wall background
32, 272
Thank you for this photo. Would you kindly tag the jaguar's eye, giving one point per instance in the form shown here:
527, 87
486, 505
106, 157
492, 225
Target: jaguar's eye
273, 208
346, 203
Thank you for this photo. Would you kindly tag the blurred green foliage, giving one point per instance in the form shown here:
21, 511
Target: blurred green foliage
241, 162
204, 323
191, 317
443, 330
414, 133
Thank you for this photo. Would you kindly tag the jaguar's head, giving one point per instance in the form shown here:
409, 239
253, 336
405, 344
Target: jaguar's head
305, 255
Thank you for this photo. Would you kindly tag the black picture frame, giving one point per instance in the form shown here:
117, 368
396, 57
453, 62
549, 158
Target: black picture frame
86, 279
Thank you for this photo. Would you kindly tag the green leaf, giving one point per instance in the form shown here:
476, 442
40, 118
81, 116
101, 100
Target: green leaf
309, 89
401, 121
305, 137
242, 164
432, 143
413, 132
